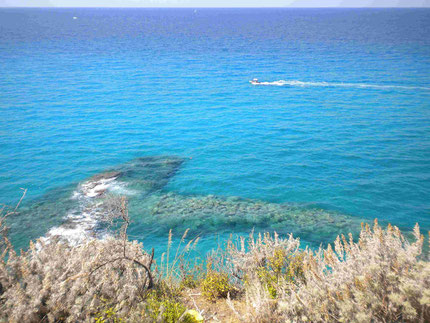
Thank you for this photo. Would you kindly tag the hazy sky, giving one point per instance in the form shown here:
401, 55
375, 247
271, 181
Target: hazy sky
215, 3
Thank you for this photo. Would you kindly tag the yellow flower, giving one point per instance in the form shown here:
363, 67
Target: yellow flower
195, 315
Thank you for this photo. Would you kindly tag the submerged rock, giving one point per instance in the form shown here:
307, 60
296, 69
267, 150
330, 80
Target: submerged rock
212, 214
74, 213
78, 212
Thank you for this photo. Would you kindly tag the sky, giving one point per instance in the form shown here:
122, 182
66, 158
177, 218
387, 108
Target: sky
215, 3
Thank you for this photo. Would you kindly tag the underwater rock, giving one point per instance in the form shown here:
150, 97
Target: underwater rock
78, 211
73, 213
215, 215
98, 184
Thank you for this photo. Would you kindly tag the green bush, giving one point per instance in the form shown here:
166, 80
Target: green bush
280, 269
188, 281
108, 315
159, 306
216, 285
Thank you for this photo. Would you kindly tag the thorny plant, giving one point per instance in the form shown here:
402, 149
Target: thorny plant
117, 209
381, 278
53, 281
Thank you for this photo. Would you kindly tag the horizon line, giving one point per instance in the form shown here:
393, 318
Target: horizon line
143, 7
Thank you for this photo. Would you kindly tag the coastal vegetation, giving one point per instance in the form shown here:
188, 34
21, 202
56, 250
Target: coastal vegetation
379, 277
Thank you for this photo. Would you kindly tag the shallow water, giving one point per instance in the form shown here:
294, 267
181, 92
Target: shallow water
346, 134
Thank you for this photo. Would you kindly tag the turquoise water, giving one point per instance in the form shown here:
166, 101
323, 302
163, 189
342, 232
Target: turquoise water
344, 137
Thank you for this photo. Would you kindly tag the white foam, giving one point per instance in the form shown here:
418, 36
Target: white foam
75, 231
81, 223
120, 188
96, 188
350, 85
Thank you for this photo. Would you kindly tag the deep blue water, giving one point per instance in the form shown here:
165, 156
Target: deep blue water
351, 136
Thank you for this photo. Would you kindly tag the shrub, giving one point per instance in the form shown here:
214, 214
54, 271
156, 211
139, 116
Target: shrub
188, 281
215, 284
192, 316
107, 314
280, 269
163, 309
380, 278
368, 280
246, 257
57, 282
272, 261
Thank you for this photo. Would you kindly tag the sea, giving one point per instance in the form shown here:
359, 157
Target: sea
156, 105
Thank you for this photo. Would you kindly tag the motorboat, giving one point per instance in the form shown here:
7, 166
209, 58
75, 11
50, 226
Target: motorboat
255, 82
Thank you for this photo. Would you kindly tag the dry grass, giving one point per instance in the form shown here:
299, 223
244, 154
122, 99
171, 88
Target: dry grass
56, 282
382, 277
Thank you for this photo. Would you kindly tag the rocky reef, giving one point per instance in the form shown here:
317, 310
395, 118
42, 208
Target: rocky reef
75, 214
229, 214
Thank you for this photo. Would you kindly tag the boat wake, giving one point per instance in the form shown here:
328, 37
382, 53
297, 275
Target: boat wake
346, 85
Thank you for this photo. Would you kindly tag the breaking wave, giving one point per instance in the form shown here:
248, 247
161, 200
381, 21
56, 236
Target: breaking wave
86, 217
81, 222
346, 85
